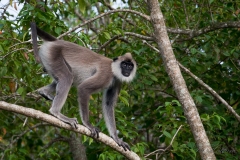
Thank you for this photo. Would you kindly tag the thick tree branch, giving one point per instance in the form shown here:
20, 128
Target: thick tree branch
179, 85
29, 112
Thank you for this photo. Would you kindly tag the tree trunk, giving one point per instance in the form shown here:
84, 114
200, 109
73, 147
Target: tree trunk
77, 148
174, 73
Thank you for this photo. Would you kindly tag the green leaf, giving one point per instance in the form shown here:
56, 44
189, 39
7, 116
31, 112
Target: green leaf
217, 50
107, 35
168, 103
177, 102
20, 90
84, 138
199, 99
193, 51
41, 17
1, 49
117, 32
226, 54
24, 35
58, 30
167, 134
90, 141
82, 5
124, 100
153, 78
124, 92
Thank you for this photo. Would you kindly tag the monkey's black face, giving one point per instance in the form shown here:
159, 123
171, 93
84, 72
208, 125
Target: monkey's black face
127, 67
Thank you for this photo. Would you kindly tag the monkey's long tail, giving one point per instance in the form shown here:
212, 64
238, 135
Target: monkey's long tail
34, 41
44, 35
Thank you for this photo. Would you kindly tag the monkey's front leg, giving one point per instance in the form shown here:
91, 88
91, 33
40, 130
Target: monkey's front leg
109, 100
111, 125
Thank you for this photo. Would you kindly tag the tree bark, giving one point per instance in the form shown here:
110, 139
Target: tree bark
77, 148
179, 85
29, 112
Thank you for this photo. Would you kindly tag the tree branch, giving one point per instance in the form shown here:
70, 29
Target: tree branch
172, 68
127, 34
207, 87
120, 15
164, 150
4, 10
210, 28
104, 14
29, 112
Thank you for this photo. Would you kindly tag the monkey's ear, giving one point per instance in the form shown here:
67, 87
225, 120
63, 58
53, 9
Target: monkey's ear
114, 59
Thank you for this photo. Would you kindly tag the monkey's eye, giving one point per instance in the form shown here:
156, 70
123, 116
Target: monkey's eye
124, 65
130, 67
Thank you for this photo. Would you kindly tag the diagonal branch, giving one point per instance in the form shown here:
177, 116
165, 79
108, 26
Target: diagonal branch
207, 87
29, 112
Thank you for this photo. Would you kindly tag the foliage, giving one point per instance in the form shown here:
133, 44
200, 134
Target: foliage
148, 113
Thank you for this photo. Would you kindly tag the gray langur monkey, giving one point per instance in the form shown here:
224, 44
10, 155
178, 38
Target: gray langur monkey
68, 63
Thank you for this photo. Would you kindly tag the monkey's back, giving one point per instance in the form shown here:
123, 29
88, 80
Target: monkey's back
84, 62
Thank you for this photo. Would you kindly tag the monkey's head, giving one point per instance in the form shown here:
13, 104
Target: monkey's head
124, 67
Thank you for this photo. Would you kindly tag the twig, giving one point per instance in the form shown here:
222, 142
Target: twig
210, 28
4, 10
108, 42
64, 139
104, 14
185, 12
29, 41
127, 34
13, 52
164, 150
82, 19
120, 15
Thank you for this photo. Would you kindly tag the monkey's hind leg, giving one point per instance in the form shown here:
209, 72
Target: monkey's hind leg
62, 74
47, 91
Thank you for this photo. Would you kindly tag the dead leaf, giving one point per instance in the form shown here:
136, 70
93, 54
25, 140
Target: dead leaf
15, 5
12, 86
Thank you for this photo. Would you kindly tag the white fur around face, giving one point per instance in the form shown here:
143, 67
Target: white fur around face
117, 72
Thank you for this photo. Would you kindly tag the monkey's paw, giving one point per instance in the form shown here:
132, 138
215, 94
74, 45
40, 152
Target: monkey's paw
94, 131
122, 143
72, 121
45, 95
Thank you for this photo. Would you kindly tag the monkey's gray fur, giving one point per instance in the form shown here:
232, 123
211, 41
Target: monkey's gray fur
68, 64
